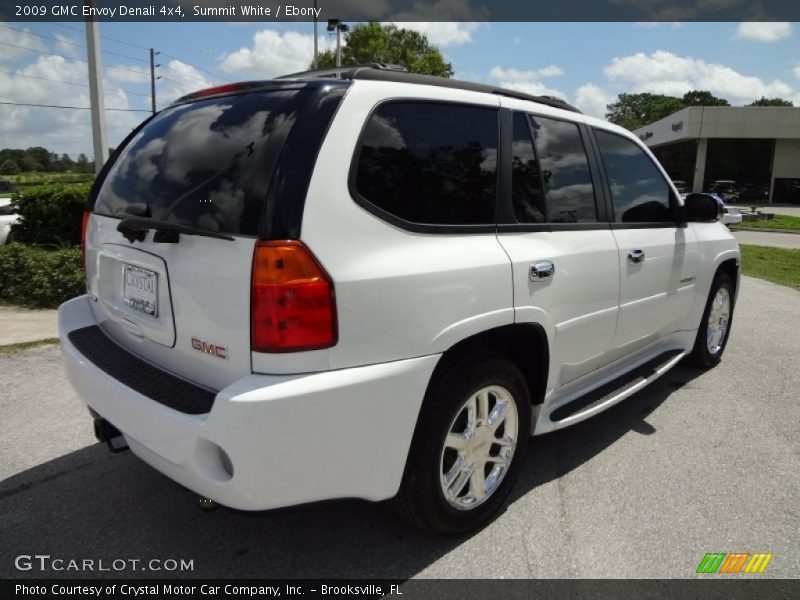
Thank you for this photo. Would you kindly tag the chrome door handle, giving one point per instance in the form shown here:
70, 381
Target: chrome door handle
635, 256
542, 270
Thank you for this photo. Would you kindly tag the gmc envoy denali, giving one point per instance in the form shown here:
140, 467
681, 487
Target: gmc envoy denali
372, 284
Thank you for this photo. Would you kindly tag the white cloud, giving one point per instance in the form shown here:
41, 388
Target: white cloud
19, 41
666, 73
526, 81
66, 45
179, 79
128, 73
59, 130
592, 100
444, 33
763, 32
550, 71
272, 54
797, 71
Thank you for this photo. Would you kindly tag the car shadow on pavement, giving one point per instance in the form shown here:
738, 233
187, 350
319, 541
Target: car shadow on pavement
92, 504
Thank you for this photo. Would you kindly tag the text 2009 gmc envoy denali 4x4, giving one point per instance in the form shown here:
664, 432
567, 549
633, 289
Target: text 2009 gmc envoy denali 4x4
366, 283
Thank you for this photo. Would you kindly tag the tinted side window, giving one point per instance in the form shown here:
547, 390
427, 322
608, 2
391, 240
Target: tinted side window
430, 163
569, 194
639, 193
526, 179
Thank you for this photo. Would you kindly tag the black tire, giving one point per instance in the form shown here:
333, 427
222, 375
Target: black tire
701, 356
421, 499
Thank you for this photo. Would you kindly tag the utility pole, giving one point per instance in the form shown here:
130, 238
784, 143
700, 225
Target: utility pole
153, 66
316, 50
96, 92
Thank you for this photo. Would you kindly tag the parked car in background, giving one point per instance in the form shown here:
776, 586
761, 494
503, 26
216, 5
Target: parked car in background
7, 215
754, 193
726, 189
730, 215
380, 286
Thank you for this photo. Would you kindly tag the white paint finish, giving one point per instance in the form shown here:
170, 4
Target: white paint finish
578, 307
398, 293
204, 301
291, 439
655, 295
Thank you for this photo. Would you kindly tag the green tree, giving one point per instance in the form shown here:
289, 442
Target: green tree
637, 110
373, 42
83, 165
40, 156
703, 98
763, 101
10, 167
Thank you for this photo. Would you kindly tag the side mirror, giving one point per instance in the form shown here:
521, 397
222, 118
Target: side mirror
701, 208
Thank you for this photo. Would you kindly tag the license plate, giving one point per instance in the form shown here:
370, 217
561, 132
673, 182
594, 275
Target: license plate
140, 289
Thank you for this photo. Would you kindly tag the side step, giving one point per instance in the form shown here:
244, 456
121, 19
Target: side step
617, 389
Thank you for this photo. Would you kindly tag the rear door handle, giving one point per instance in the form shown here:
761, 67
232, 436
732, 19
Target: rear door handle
635, 256
542, 270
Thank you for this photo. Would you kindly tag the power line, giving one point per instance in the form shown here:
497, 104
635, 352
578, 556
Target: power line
105, 37
117, 67
196, 67
182, 74
71, 107
71, 83
47, 37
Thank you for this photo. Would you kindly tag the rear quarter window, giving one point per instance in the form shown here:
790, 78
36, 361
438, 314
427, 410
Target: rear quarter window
430, 163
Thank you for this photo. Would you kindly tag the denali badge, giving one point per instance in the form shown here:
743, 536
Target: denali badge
213, 349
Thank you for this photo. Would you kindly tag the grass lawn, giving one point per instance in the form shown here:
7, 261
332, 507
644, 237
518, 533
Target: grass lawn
15, 348
778, 265
779, 222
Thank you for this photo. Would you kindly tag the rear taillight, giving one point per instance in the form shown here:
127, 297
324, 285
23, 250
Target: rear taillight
292, 305
84, 225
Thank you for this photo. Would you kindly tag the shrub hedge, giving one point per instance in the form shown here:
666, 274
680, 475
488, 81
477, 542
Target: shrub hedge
50, 215
36, 277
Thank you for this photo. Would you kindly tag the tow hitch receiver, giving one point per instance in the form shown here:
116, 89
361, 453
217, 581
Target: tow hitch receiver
106, 433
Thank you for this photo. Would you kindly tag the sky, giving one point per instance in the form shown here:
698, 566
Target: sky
588, 64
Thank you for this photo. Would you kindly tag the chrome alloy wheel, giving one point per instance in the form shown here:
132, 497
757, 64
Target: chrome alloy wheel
718, 320
479, 447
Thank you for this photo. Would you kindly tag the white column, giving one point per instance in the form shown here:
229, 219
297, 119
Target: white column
700, 165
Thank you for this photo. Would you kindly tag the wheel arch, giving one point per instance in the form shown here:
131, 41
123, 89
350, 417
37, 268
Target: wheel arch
524, 344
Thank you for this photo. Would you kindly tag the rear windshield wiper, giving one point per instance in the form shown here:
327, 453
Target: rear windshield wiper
136, 228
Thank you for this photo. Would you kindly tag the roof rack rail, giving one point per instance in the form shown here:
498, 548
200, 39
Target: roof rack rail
396, 73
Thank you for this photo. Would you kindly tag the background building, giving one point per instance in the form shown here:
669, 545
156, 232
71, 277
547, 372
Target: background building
758, 148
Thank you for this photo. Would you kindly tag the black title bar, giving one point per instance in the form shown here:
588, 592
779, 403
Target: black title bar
399, 10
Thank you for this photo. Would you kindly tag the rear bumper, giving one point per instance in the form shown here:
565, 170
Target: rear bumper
269, 440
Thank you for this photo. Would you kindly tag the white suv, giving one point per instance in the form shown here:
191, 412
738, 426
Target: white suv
379, 285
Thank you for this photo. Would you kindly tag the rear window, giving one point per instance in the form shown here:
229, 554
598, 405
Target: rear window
207, 164
430, 162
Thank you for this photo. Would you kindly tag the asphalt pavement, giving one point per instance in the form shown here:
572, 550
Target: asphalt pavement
698, 462
768, 238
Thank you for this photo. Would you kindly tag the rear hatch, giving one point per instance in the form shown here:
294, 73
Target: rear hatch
177, 213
